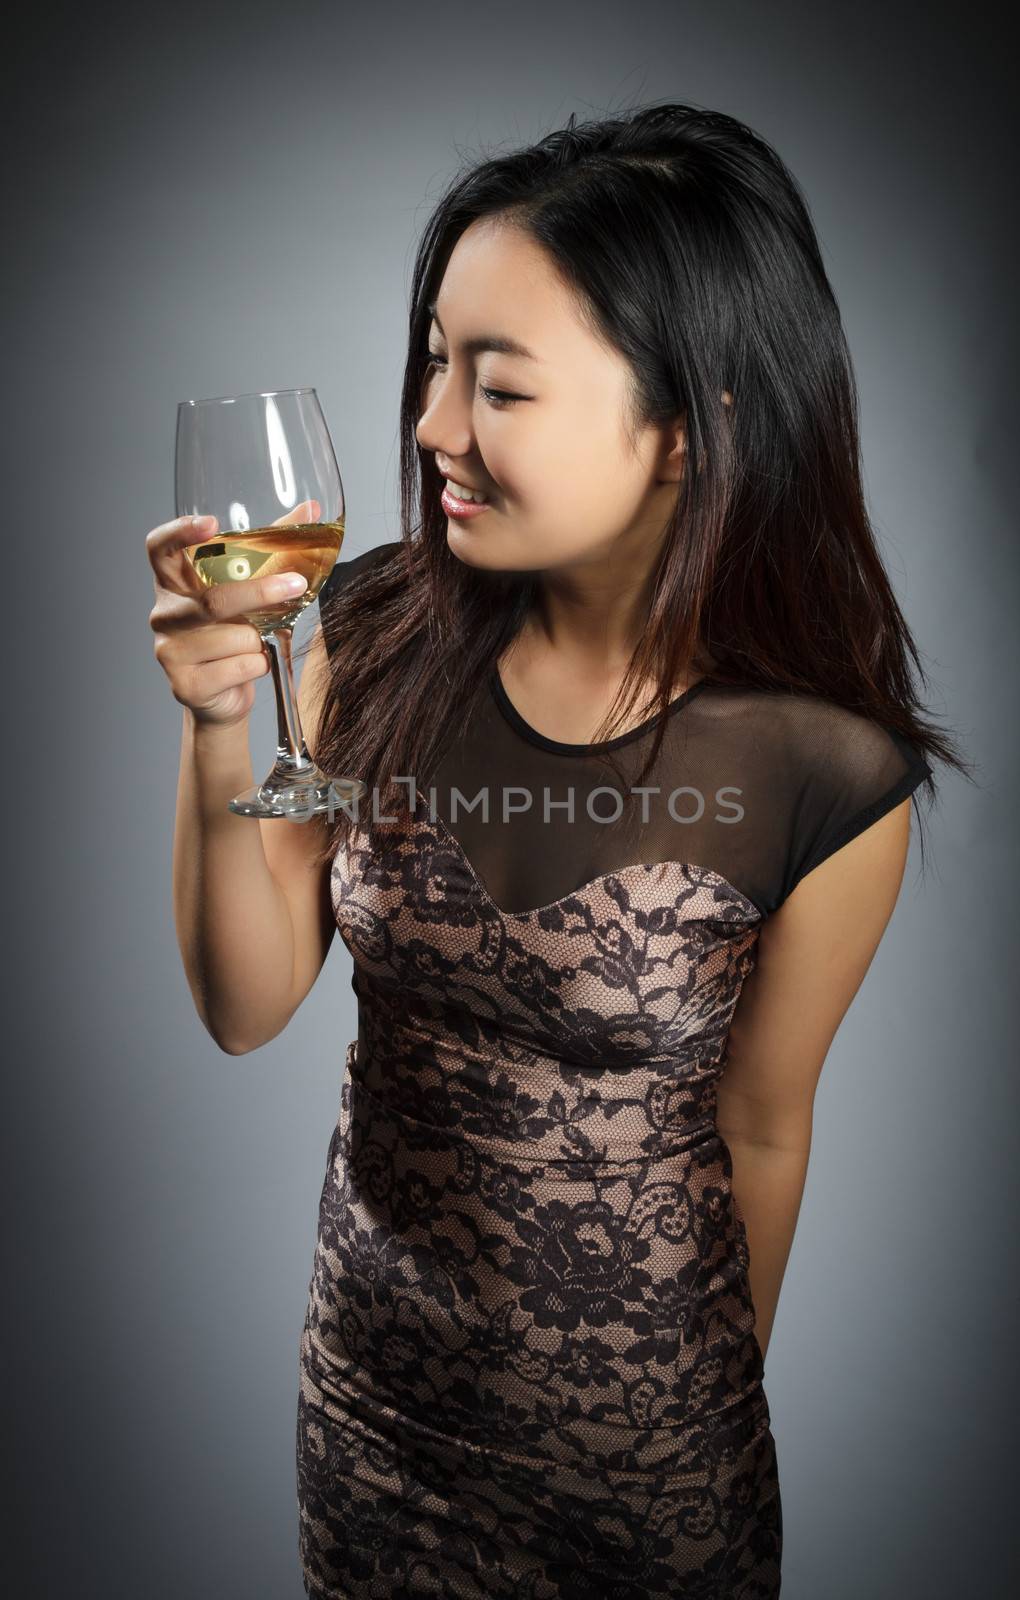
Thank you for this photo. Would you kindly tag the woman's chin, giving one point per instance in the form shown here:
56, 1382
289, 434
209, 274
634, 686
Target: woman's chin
490, 555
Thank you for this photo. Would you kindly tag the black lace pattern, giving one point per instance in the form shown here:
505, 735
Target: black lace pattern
529, 1364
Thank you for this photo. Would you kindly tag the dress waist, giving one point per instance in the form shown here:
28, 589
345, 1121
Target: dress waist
568, 1144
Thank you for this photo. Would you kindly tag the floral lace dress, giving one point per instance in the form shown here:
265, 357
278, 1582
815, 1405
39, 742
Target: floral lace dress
529, 1364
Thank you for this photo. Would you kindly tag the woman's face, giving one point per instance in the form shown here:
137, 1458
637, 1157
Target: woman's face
566, 489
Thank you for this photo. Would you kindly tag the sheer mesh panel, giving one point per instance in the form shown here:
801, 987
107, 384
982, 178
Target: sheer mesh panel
756, 787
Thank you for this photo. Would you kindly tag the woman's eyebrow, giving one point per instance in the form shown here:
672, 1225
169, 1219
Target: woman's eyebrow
488, 341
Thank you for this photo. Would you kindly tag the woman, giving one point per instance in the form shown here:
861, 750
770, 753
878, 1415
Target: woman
641, 734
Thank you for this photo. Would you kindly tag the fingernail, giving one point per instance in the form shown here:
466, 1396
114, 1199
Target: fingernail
202, 522
287, 583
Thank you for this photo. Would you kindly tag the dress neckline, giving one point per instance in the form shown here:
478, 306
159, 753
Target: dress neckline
558, 746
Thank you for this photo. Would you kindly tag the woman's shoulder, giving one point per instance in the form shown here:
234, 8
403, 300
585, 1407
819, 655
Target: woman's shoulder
832, 771
816, 735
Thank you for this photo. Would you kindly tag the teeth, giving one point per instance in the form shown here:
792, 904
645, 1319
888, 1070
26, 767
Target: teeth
460, 493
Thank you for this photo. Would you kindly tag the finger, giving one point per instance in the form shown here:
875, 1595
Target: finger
165, 548
223, 601
166, 543
199, 683
212, 641
306, 511
215, 605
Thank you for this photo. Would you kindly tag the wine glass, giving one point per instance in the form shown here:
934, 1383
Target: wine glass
264, 466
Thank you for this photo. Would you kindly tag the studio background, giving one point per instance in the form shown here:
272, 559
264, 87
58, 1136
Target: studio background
216, 199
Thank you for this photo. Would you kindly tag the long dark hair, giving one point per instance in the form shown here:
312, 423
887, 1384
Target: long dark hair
688, 244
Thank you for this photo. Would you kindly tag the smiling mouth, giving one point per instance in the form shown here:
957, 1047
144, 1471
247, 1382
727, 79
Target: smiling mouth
464, 491
462, 509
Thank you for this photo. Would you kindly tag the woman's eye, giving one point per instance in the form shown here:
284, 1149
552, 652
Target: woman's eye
497, 398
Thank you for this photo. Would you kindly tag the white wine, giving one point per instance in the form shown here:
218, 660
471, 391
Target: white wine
310, 548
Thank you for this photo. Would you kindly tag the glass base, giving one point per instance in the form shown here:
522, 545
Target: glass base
298, 797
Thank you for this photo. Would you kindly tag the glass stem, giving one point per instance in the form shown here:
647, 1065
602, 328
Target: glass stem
292, 755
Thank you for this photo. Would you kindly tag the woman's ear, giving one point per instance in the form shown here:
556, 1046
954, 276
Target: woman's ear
673, 465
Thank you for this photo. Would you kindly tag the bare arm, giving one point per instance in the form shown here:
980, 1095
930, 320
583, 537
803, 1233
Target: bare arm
251, 904
251, 907
813, 954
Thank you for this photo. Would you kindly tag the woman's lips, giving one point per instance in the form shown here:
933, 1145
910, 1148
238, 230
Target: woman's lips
462, 509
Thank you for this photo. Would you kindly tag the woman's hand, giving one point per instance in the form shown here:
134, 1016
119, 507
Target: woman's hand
211, 660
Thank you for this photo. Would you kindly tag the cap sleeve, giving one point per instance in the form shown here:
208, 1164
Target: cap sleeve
855, 771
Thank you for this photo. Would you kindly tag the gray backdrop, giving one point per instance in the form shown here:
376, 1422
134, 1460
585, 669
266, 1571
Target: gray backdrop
213, 199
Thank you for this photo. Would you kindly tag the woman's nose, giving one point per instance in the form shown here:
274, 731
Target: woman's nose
445, 424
